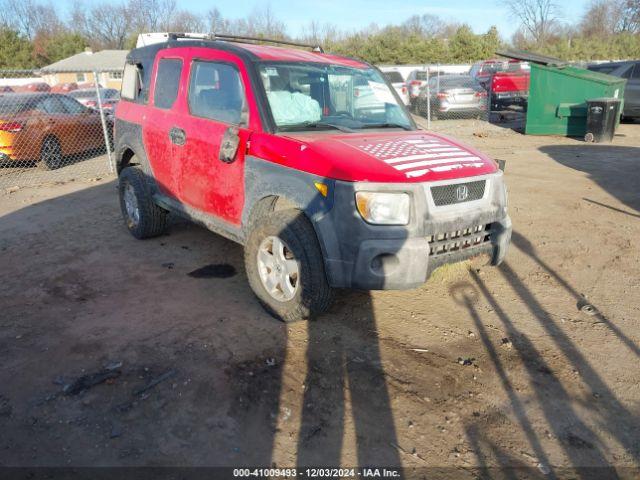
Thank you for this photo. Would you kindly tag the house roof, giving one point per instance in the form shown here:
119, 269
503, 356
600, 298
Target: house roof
104, 60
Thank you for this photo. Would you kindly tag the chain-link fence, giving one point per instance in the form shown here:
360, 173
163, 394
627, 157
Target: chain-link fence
446, 95
56, 125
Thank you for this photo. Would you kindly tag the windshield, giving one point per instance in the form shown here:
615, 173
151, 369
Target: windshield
304, 96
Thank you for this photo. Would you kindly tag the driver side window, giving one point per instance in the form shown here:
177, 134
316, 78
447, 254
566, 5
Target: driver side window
216, 92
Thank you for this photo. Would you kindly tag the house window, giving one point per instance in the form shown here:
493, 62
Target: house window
81, 77
115, 75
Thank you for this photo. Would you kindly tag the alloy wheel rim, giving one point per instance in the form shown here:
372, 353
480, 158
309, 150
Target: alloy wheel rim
51, 152
131, 205
278, 269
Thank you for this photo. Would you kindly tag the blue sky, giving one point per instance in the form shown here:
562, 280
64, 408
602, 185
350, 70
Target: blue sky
357, 14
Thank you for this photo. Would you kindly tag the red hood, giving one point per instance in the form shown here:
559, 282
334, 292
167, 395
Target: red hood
412, 156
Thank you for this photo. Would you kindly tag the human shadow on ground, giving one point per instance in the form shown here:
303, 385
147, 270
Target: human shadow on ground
614, 168
577, 438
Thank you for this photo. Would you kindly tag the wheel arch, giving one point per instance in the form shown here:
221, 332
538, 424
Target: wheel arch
270, 187
124, 158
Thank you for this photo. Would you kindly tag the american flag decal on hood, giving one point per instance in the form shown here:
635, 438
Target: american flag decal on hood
415, 157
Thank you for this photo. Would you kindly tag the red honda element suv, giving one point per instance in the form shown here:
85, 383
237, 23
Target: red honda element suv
308, 160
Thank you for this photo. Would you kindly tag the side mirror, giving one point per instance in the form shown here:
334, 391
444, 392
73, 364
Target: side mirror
229, 145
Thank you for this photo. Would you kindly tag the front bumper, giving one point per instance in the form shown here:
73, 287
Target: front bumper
517, 95
446, 107
373, 257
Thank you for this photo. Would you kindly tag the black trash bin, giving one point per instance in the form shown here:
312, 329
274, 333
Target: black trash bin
602, 118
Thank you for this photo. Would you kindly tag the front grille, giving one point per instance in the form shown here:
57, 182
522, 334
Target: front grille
449, 242
458, 192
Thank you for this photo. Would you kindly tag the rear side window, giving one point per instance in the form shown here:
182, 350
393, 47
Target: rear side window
636, 72
72, 107
133, 83
167, 82
51, 105
216, 92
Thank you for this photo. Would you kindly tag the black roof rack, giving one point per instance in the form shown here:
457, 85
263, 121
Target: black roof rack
532, 57
241, 39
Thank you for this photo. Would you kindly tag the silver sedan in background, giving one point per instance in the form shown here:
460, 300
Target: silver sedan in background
452, 96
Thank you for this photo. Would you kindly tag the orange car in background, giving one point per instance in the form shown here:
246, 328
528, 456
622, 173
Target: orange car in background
46, 128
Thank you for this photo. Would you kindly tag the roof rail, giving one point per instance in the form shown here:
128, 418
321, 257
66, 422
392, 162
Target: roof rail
242, 38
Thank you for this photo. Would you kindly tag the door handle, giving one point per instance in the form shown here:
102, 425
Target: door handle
178, 136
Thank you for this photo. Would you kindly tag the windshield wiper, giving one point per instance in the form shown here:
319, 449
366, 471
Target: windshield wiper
386, 125
305, 125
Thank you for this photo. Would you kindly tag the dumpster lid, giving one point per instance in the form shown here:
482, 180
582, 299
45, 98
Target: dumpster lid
532, 58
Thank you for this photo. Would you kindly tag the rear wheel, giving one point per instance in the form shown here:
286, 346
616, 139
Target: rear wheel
285, 267
142, 216
51, 154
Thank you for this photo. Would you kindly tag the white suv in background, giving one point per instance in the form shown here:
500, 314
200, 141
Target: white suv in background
398, 83
416, 81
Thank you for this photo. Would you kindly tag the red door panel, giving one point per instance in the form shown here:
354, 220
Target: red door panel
209, 184
219, 96
159, 119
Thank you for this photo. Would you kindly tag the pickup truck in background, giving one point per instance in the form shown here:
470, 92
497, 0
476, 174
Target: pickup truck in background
507, 82
508, 89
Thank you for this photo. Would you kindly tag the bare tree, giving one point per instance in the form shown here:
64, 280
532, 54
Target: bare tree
30, 17
185, 21
538, 17
151, 15
260, 22
630, 18
326, 34
106, 25
216, 22
424, 25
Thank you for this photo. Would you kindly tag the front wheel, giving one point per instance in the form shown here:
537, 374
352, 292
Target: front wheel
285, 267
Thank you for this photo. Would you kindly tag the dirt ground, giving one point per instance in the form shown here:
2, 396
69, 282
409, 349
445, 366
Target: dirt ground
504, 369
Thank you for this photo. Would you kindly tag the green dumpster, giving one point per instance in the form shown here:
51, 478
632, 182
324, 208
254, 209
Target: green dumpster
558, 94
558, 98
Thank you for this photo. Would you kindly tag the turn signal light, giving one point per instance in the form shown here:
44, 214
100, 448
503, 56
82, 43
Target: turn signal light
322, 188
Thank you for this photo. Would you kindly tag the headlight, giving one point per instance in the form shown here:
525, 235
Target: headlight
384, 208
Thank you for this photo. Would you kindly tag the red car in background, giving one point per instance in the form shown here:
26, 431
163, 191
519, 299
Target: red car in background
34, 87
88, 97
64, 87
507, 81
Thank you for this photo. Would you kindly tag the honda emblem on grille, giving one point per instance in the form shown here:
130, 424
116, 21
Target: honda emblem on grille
462, 193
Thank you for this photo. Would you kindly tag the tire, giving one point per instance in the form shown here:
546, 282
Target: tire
142, 216
51, 154
312, 294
